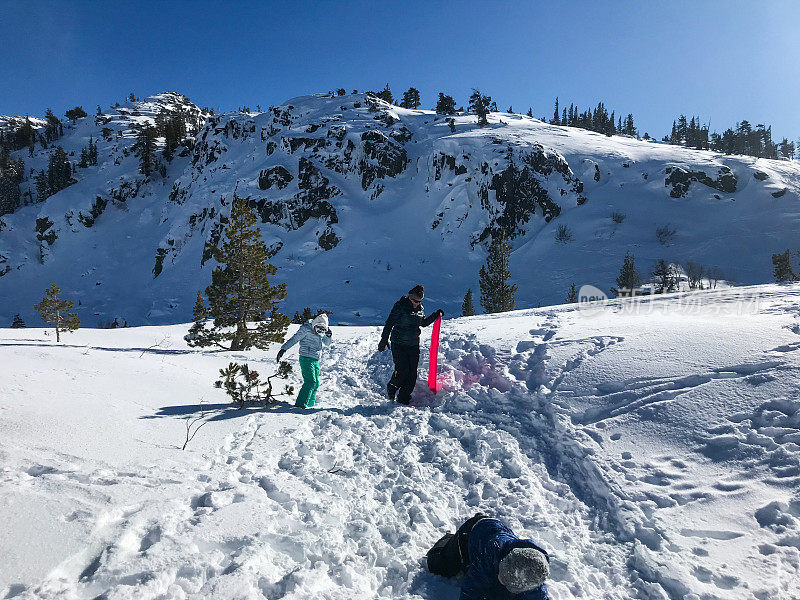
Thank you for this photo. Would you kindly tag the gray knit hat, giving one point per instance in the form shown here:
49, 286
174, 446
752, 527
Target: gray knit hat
523, 569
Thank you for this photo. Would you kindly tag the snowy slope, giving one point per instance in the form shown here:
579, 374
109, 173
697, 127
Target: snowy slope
653, 448
360, 200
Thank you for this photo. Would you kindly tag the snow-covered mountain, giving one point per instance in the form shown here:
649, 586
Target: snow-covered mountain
652, 447
360, 200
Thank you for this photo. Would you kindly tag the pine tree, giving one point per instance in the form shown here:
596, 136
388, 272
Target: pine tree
59, 172
18, 323
665, 277
783, 267
674, 139
480, 104
467, 309
92, 152
24, 136
12, 173
556, 115
628, 279
386, 95
629, 127
445, 105
146, 146
786, 148
496, 294
411, 98
55, 311
75, 113
199, 312
307, 314
240, 292
572, 295
173, 128
530, 112
42, 187
9, 195
51, 130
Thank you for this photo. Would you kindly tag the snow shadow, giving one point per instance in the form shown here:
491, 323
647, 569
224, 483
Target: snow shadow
150, 350
229, 410
214, 412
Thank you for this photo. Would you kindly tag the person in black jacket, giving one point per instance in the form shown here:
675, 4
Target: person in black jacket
403, 324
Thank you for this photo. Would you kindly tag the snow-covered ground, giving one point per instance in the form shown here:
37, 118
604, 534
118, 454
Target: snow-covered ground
652, 446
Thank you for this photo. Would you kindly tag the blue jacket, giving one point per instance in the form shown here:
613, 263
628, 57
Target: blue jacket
311, 342
489, 543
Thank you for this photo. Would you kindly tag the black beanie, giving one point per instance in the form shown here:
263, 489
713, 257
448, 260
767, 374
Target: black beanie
417, 291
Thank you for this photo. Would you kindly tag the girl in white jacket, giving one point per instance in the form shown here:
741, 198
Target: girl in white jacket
312, 336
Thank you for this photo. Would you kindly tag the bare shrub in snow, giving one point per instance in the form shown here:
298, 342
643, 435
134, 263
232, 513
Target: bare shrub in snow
694, 275
665, 234
564, 234
617, 217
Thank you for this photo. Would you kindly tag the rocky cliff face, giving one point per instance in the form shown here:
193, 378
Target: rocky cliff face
359, 200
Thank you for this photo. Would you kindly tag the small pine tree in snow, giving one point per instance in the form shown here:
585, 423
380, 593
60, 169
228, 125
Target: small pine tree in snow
783, 267
572, 295
665, 277
18, 323
55, 311
480, 104
628, 279
198, 334
496, 293
240, 292
411, 98
199, 312
445, 105
530, 112
467, 309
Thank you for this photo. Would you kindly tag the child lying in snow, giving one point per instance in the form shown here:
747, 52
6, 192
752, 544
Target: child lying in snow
498, 564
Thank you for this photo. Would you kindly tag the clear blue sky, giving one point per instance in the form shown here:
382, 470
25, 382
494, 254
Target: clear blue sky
722, 60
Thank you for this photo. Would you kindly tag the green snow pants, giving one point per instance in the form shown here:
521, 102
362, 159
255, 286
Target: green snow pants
309, 367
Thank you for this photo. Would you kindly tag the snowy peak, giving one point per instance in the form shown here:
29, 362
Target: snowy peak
359, 199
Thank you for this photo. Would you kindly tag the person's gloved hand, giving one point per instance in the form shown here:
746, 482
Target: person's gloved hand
280, 355
440, 313
382, 345
328, 332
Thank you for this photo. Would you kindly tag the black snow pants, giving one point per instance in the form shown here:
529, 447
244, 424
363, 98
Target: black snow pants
404, 378
449, 555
